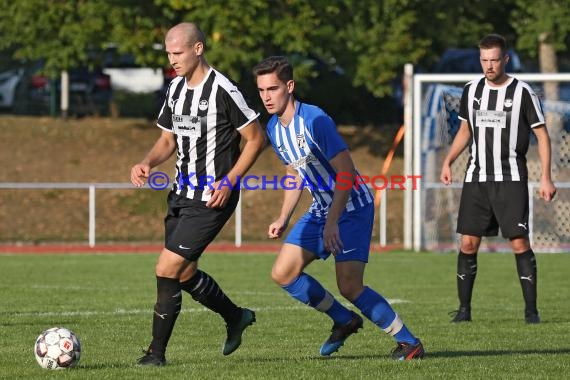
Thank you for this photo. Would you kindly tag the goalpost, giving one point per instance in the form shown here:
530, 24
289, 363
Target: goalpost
430, 212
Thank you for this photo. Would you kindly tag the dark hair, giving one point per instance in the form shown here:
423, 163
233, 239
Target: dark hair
275, 64
493, 41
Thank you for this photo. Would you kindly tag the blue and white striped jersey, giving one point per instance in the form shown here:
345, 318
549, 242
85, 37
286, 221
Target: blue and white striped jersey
307, 144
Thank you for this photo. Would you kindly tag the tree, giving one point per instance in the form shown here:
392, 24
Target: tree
384, 35
57, 32
369, 41
379, 37
241, 32
544, 30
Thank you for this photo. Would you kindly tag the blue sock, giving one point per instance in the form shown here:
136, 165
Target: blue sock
310, 292
379, 311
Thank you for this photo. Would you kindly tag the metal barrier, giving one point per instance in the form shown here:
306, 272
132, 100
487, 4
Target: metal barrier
91, 187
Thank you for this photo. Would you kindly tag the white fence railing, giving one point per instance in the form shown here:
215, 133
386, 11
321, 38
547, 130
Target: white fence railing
91, 187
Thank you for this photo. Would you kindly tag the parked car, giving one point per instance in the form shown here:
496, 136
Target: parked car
126, 75
89, 92
9, 80
27, 90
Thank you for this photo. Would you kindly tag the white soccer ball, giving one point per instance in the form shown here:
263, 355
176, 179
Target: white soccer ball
57, 348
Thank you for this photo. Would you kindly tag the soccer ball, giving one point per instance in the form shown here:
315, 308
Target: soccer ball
57, 348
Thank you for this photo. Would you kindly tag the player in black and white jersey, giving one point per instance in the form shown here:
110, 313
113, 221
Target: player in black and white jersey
203, 119
498, 113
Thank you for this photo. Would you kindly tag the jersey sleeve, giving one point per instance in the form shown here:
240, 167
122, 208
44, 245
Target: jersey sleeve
531, 108
164, 119
240, 113
463, 105
326, 136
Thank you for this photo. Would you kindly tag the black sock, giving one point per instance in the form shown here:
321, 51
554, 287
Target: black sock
466, 273
166, 310
206, 291
526, 268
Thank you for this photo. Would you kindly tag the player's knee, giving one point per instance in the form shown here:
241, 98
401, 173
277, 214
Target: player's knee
281, 277
278, 277
188, 272
519, 245
350, 291
469, 246
163, 270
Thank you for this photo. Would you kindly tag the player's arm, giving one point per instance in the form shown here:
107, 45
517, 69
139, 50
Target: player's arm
546, 190
291, 197
343, 166
254, 139
254, 142
160, 152
459, 143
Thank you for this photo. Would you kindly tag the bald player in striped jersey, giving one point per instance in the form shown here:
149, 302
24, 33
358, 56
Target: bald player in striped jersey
203, 119
498, 113
339, 221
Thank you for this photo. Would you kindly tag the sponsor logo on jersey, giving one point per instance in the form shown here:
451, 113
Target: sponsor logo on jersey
303, 161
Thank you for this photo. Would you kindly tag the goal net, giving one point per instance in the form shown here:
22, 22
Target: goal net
436, 205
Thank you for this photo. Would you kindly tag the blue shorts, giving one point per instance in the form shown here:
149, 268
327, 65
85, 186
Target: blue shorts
355, 229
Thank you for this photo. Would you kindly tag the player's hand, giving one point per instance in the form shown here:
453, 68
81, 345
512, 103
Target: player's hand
331, 238
276, 228
547, 190
139, 173
220, 195
445, 176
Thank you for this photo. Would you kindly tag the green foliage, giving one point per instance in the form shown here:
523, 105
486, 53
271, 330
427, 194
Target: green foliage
369, 39
58, 32
138, 27
459, 24
381, 40
242, 32
533, 19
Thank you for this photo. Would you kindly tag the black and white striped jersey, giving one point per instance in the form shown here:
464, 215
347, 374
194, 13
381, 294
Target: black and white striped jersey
500, 121
205, 120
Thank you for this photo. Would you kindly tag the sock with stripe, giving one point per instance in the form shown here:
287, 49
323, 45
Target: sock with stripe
526, 268
309, 291
204, 289
378, 310
166, 310
466, 273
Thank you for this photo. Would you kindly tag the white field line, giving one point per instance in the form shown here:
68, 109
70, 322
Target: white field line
123, 312
115, 288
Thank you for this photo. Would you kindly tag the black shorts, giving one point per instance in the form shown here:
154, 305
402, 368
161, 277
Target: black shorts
190, 226
486, 206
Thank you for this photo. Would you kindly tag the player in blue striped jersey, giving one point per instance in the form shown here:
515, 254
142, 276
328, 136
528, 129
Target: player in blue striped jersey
339, 221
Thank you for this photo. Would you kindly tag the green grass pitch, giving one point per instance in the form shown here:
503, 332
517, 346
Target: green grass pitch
107, 300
